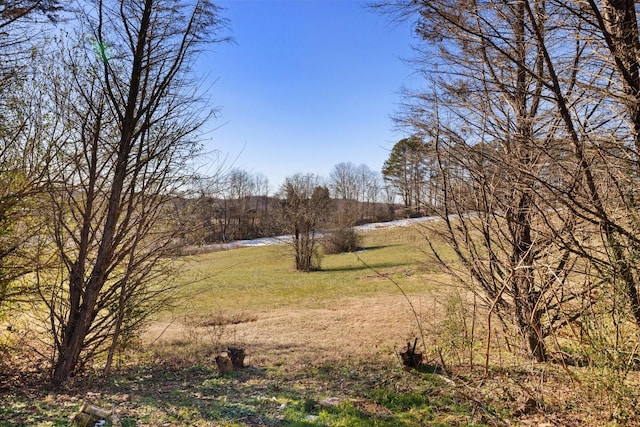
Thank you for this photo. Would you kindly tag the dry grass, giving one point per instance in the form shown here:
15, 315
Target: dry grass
352, 330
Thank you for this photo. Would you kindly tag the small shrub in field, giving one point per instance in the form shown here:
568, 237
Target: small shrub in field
341, 240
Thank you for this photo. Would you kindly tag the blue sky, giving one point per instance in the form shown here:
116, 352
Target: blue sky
307, 84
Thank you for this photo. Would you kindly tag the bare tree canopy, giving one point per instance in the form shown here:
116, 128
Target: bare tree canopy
22, 157
357, 188
20, 34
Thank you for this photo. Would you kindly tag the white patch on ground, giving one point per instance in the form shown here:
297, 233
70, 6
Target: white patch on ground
280, 240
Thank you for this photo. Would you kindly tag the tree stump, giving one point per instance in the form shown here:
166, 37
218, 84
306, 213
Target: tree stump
237, 357
224, 363
410, 357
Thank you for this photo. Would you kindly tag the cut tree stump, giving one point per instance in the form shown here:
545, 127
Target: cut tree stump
230, 360
225, 365
237, 357
410, 357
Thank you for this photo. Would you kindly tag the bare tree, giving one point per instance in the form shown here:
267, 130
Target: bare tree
305, 202
343, 181
261, 223
344, 185
355, 190
234, 207
606, 141
240, 195
598, 109
20, 33
369, 189
132, 118
497, 145
230, 199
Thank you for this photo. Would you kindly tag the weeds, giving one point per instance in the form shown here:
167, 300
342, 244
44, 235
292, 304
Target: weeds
216, 328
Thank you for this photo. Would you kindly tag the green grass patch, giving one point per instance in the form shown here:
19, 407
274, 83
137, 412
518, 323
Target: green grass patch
263, 278
19, 410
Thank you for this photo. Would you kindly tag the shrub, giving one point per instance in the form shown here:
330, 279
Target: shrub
341, 240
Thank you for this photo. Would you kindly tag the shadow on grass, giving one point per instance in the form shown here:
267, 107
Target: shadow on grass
250, 397
360, 265
371, 267
374, 248
157, 395
428, 368
200, 394
186, 395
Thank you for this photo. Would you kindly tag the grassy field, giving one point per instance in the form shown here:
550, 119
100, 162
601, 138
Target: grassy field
322, 350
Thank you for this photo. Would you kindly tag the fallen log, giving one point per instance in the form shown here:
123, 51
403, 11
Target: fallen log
90, 415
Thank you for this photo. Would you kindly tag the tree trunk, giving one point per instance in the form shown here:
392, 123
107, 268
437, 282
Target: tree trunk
118, 329
525, 295
622, 23
236, 354
527, 313
72, 345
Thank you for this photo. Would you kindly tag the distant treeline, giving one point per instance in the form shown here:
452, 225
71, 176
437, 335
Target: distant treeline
216, 220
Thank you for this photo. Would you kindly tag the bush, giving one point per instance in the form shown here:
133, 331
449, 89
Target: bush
341, 240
